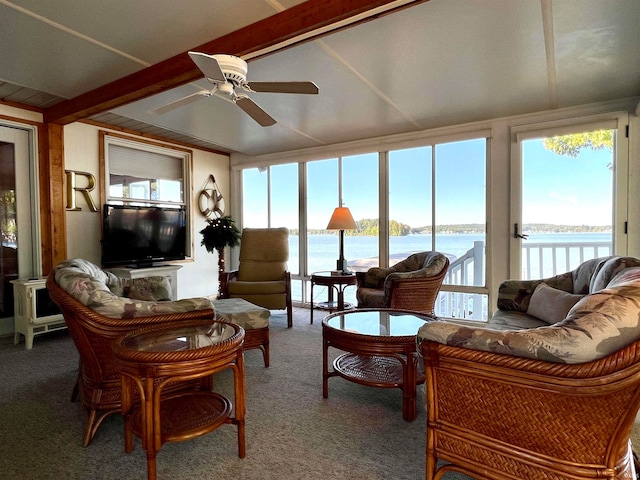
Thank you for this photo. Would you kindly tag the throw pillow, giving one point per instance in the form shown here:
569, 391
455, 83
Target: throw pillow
550, 304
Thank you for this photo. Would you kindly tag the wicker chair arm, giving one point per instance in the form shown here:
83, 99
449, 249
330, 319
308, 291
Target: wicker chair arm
360, 278
433, 351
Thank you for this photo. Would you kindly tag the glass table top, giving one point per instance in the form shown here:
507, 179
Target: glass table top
375, 322
332, 274
180, 339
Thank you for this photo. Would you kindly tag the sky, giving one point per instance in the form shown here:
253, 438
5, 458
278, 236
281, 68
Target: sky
556, 189
564, 190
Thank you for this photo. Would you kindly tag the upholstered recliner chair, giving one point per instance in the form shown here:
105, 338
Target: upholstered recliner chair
552, 399
98, 307
262, 277
412, 284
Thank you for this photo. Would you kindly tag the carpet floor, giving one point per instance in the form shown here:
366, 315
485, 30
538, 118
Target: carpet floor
291, 431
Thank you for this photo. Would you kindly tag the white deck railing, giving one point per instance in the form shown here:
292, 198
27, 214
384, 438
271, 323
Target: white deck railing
539, 260
543, 260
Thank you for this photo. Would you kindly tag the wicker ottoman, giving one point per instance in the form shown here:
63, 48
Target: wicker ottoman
254, 320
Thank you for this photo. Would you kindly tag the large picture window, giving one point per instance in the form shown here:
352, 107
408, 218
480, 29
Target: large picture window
431, 197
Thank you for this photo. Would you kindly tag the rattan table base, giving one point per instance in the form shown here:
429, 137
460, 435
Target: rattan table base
186, 414
373, 370
154, 358
378, 351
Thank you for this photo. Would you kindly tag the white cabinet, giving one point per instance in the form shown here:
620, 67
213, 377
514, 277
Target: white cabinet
35, 312
169, 271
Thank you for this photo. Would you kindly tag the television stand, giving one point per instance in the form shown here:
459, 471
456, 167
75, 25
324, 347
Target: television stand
168, 271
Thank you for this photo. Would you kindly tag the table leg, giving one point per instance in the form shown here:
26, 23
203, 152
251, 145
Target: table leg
409, 409
325, 367
340, 290
151, 466
240, 402
151, 425
127, 392
311, 302
330, 297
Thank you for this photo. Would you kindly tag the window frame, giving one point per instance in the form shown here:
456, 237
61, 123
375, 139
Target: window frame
614, 120
184, 155
383, 198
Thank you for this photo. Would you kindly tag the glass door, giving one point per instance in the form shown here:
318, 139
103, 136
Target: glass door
568, 197
16, 237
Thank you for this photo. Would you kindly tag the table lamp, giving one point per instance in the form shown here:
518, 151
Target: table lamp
342, 220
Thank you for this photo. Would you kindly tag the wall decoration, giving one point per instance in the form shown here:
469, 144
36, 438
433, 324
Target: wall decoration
210, 200
73, 188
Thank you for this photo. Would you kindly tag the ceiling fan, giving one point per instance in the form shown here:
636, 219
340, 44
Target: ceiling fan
226, 73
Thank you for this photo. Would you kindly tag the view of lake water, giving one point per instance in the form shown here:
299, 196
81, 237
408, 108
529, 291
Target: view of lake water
323, 250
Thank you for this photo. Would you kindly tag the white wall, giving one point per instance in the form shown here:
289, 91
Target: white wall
198, 276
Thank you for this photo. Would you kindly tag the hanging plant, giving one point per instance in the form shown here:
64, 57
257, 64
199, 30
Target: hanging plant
218, 234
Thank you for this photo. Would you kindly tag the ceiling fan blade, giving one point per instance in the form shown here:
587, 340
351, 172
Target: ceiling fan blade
181, 102
284, 87
209, 65
252, 109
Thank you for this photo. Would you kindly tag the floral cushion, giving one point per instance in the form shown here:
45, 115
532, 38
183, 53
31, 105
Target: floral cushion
423, 264
241, 312
588, 277
374, 286
601, 323
115, 297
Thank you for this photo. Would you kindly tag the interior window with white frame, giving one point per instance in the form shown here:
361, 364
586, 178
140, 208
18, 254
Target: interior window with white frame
148, 173
145, 173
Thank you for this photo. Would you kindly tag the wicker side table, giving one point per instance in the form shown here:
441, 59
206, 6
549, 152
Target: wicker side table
380, 348
152, 358
334, 281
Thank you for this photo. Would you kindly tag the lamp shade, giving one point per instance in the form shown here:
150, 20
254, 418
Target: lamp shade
342, 220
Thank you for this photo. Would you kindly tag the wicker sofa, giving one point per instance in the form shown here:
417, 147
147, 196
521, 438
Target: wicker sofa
98, 307
539, 400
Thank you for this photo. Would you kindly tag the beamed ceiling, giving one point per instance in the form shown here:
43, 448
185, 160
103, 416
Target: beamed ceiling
382, 67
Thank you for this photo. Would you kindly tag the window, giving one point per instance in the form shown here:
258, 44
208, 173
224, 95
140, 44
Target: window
566, 195
255, 204
270, 200
437, 201
146, 173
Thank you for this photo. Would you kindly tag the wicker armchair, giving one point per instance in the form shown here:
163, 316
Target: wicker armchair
557, 401
85, 295
412, 284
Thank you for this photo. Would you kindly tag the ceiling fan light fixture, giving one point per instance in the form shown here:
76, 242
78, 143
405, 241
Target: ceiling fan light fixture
226, 72
234, 68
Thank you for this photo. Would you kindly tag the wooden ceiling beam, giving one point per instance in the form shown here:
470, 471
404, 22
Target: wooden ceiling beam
292, 26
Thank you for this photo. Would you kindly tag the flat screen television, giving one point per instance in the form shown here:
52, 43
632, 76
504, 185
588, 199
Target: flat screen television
139, 236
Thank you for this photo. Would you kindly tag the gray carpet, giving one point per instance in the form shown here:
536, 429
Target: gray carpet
291, 431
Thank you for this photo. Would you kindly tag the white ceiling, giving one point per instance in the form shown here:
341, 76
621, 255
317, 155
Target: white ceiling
438, 63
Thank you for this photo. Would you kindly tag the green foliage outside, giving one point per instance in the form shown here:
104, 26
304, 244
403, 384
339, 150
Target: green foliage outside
570, 145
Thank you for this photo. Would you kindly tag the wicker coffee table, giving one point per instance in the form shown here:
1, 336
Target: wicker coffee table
153, 358
380, 348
